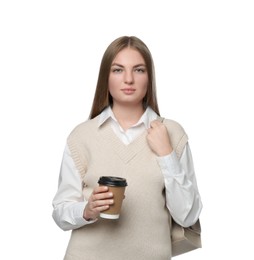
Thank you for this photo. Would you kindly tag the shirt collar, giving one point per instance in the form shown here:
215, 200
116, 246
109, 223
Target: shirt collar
105, 115
148, 116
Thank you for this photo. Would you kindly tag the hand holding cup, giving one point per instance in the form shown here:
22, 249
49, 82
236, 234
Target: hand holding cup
117, 186
99, 201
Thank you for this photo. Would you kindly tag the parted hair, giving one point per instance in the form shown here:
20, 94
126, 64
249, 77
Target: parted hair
102, 97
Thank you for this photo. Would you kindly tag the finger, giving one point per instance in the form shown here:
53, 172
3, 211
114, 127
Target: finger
155, 123
102, 196
152, 124
101, 203
100, 189
93, 212
97, 210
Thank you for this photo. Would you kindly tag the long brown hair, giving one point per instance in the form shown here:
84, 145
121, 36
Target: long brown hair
102, 97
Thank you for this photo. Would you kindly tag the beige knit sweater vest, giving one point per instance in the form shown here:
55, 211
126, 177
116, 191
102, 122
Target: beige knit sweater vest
143, 229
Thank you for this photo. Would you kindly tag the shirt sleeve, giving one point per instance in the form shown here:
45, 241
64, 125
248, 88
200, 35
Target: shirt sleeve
69, 202
182, 195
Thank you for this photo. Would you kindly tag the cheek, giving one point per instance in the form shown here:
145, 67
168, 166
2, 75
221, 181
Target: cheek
145, 86
111, 84
145, 91
113, 81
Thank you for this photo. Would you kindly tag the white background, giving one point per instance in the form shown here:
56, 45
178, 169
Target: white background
50, 52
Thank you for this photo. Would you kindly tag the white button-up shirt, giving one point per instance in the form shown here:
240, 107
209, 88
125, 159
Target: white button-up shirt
182, 196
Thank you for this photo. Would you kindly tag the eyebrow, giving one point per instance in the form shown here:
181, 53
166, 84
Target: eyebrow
119, 65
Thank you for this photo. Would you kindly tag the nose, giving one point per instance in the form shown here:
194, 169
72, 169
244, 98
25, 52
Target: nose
128, 78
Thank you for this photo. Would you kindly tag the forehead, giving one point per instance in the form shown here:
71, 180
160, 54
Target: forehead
129, 56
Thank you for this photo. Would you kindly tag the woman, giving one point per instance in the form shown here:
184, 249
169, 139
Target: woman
123, 137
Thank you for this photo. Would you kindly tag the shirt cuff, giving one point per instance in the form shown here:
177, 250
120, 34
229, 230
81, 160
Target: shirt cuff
169, 164
78, 214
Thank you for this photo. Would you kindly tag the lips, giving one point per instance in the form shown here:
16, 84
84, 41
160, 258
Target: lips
128, 90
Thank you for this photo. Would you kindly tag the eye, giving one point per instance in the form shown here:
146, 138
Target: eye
117, 70
140, 70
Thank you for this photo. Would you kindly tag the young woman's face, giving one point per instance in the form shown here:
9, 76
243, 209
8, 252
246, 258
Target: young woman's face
128, 78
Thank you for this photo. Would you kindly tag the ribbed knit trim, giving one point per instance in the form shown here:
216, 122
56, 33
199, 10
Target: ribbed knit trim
178, 137
125, 152
75, 144
179, 148
75, 154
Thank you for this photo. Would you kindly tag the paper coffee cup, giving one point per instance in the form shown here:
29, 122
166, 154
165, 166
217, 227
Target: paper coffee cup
117, 186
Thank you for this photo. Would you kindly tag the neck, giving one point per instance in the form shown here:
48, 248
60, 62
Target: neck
127, 116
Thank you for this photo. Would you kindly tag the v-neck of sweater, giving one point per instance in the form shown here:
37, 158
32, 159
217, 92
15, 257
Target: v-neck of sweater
125, 152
